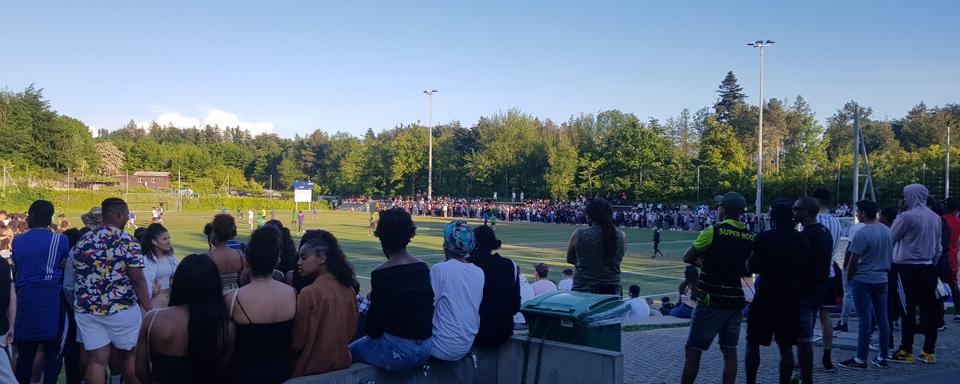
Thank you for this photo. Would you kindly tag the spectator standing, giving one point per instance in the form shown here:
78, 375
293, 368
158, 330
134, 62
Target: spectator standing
597, 251
189, 341
8, 310
916, 250
108, 265
814, 285
229, 261
871, 251
541, 284
38, 256
458, 292
566, 282
327, 312
774, 313
501, 290
400, 318
160, 264
949, 276
263, 313
721, 252
829, 297
656, 243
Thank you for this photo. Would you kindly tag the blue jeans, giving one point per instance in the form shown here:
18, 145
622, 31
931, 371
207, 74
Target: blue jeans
681, 311
391, 353
871, 303
848, 305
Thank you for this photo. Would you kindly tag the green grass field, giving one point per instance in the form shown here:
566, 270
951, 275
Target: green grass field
525, 243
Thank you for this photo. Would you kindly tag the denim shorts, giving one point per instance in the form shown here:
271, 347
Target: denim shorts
712, 322
809, 311
391, 353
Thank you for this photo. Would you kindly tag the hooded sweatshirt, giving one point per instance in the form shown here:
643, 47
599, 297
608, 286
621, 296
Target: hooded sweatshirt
916, 231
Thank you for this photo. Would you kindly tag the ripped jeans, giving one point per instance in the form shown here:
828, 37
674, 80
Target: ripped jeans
391, 353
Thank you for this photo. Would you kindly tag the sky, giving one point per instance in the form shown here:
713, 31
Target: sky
291, 67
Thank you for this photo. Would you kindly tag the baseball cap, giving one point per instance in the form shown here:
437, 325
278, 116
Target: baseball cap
781, 205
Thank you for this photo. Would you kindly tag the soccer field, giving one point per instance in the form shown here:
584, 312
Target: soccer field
525, 243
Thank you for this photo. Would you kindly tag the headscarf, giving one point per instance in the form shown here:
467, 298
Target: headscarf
458, 238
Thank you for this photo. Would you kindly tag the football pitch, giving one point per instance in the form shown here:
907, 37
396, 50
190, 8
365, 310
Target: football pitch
525, 243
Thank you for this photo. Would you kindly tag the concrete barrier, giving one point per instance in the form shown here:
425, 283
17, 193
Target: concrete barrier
545, 361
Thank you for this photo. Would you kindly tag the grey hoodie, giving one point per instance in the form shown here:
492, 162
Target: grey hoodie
916, 231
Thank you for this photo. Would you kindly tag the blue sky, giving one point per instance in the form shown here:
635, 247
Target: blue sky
293, 67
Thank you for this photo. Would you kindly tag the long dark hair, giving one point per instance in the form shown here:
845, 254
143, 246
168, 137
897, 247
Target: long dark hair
146, 242
263, 250
196, 285
288, 253
600, 214
337, 262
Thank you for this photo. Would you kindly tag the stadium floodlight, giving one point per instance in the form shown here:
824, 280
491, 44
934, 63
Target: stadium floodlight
430, 150
760, 44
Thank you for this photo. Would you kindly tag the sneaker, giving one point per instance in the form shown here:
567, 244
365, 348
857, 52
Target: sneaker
902, 357
851, 363
880, 363
840, 327
928, 358
956, 318
942, 328
796, 379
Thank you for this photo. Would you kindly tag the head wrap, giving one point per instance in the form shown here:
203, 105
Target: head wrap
458, 238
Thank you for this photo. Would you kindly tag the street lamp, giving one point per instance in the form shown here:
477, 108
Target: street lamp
760, 44
430, 150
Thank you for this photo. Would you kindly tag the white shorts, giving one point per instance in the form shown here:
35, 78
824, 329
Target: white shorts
120, 329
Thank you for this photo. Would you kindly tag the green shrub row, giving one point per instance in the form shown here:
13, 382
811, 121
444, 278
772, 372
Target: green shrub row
80, 200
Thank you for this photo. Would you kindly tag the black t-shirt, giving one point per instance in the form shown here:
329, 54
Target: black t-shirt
501, 299
656, 236
815, 272
5, 280
777, 256
401, 302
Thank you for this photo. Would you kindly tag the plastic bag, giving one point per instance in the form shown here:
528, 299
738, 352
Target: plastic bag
610, 316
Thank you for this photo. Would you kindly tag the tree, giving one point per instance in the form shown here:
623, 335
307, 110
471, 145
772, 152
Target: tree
731, 95
722, 157
111, 159
561, 172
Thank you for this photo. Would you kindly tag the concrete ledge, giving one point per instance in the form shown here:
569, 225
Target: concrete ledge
551, 362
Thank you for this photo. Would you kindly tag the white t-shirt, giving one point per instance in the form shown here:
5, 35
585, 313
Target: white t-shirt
543, 286
639, 308
457, 290
526, 293
161, 270
565, 285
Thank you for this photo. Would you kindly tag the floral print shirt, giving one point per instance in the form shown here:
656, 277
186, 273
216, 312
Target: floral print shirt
101, 260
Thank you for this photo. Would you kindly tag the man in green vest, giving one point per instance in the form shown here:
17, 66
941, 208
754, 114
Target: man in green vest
721, 252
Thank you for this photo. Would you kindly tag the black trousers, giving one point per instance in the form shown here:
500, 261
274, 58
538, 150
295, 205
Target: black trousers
919, 291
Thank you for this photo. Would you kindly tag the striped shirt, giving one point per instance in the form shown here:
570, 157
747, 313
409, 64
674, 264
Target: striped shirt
833, 225
38, 255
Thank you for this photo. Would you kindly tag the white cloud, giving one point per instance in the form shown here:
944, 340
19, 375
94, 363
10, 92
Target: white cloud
213, 116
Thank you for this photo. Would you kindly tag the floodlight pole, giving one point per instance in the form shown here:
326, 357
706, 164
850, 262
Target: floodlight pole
946, 187
430, 150
760, 44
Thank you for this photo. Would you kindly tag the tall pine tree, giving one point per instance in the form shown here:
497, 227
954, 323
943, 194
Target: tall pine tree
731, 94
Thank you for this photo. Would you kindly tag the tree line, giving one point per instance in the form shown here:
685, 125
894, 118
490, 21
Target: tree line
685, 158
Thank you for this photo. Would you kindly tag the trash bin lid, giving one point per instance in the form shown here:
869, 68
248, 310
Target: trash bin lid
572, 305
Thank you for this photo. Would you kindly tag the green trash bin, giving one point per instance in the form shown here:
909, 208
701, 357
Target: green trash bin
561, 316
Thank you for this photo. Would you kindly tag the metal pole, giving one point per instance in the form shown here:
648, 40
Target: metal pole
760, 142
179, 191
430, 149
946, 187
856, 154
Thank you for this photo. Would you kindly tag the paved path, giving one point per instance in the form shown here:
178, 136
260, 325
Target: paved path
657, 357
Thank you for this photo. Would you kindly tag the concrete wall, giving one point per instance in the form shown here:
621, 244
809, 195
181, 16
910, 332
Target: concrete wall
559, 363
